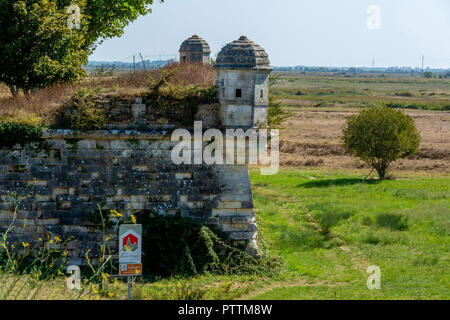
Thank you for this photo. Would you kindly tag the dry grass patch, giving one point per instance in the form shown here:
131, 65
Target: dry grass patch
312, 138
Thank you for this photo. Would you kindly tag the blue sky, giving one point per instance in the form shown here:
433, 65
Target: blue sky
296, 32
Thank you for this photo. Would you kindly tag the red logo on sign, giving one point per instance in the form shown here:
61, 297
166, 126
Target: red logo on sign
130, 240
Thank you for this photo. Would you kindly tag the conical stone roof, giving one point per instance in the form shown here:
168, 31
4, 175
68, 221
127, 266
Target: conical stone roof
195, 44
243, 54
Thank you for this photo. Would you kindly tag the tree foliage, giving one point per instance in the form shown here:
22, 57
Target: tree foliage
39, 49
428, 74
379, 136
276, 114
103, 19
36, 47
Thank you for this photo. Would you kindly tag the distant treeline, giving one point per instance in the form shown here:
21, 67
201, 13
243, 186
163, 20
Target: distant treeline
129, 65
405, 70
441, 73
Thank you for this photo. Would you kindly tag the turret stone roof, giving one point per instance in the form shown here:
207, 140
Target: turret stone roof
243, 54
195, 44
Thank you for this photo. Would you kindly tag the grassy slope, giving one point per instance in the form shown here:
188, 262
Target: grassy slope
294, 207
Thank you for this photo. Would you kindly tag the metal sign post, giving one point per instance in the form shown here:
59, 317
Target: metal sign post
130, 252
129, 287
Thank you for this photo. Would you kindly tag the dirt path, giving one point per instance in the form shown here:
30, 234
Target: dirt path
272, 286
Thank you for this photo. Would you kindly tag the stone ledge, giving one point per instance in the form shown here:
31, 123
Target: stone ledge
112, 134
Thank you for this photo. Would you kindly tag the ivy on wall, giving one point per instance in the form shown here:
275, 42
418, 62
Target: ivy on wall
174, 245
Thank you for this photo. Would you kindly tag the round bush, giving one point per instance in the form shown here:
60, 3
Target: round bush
379, 136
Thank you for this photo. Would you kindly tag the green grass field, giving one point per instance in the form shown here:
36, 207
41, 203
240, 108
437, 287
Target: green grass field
328, 227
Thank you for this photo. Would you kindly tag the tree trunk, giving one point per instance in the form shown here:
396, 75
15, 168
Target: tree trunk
34, 91
381, 173
381, 170
13, 90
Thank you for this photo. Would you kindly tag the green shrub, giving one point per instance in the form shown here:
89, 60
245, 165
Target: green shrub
379, 136
392, 221
276, 113
405, 94
12, 133
102, 72
177, 102
418, 106
414, 106
155, 83
81, 113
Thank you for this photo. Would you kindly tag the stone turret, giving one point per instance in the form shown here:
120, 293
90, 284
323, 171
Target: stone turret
243, 70
195, 50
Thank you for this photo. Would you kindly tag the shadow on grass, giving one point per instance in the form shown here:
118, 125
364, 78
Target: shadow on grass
335, 182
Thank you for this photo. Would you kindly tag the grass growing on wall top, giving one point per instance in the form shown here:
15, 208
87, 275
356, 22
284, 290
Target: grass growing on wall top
40, 109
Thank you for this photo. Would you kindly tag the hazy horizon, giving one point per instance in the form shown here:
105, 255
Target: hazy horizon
306, 32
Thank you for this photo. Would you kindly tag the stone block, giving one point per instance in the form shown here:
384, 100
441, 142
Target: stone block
245, 212
243, 235
224, 212
87, 144
45, 222
234, 227
231, 204
244, 219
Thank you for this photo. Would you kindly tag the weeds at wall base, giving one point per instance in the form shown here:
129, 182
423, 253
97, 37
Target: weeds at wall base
206, 254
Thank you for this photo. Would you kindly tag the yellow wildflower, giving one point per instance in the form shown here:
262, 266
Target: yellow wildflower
25, 244
115, 214
133, 218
